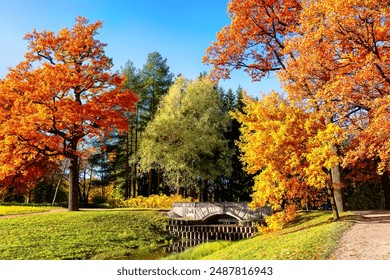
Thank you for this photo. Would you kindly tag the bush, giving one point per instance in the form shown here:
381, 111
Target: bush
155, 201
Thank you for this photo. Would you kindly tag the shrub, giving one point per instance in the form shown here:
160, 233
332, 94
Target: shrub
155, 201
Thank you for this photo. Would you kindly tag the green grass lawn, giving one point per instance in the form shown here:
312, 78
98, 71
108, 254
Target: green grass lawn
84, 235
15, 210
311, 236
136, 234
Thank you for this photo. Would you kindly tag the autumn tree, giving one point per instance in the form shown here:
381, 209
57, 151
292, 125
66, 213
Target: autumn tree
255, 39
185, 139
348, 73
288, 151
62, 93
332, 58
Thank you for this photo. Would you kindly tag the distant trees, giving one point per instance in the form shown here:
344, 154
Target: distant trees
151, 83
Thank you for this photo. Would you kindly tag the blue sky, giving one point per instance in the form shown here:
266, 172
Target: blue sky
179, 30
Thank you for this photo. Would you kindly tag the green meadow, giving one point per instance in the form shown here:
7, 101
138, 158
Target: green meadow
141, 234
84, 235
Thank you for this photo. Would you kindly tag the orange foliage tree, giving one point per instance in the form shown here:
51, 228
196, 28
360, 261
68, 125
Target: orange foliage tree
61, 94
349, 74
255, 38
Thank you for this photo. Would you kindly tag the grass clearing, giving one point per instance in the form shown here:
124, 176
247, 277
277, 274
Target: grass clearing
16, 210
312, 236
84, 235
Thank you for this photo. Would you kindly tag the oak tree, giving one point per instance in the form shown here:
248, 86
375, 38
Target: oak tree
62, 93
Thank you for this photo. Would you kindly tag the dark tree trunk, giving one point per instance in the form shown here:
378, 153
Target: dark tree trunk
128, 171
74, 170
386, 188
333, 203
134, 180
150, 182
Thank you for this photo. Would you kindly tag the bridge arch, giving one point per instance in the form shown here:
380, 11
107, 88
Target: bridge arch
220, 218
201, 211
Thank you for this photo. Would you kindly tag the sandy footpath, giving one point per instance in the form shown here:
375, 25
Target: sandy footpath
367, 239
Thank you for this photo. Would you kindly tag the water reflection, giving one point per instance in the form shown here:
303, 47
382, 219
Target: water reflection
180, 246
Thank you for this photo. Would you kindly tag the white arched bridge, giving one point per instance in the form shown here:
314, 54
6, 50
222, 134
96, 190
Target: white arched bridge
205, 211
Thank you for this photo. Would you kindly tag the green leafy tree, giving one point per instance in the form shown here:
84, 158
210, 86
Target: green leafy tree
185, 139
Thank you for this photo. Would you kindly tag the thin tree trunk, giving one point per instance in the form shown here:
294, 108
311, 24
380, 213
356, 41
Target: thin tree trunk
56, 192
59, 182
178, 185
150, 179
127, 172
74, 170
90, 183
134, 180
386, 188
135, 152
158, 180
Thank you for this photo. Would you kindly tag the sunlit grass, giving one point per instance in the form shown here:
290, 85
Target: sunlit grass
15, 210
311, 236
84, 235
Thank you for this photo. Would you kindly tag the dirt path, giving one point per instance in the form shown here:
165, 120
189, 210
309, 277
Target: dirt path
367, 239
33, 214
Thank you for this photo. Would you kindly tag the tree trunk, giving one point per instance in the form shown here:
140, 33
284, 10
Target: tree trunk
127, 172
134, 179
333, 203
386, 188
59, 182
74, 169
178, 189
150, 181
338, 190
136, 190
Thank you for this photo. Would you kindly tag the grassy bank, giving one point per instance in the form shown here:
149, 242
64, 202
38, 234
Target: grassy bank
311, 236
84, 235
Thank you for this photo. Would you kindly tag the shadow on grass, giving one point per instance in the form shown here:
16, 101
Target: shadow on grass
307, 216
309, 219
